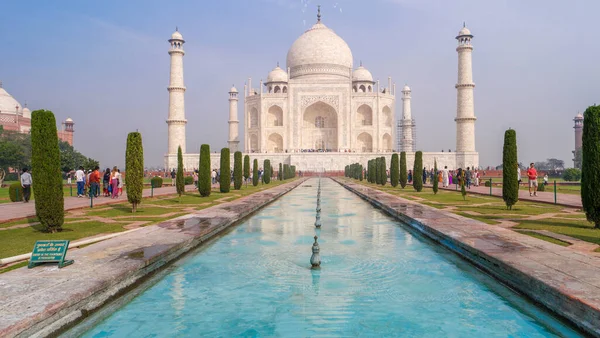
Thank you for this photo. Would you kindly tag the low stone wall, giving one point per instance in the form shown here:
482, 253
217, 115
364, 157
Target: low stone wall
564, 281
43, 301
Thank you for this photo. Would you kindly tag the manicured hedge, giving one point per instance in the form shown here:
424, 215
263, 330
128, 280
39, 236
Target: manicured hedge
204, 172
237, 170
180, 179
225, 178
156, 182
134, 167
15, 191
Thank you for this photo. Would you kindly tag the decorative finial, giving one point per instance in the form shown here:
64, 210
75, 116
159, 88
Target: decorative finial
0, 84
315, 259
277, 63
361, 63
464, 24
319, 13
176, 29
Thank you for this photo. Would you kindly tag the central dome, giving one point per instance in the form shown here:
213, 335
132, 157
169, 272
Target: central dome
319, 51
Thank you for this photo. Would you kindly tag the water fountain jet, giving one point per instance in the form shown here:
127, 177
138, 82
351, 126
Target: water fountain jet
315, 259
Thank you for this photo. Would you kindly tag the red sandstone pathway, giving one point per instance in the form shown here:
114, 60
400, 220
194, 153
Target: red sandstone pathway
568, 200
11, 211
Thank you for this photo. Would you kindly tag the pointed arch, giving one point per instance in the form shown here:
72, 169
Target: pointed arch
387, 142
365, 115
275, 116
253, 143
365, 142
320, 127
387, 116
275, 143
253, 118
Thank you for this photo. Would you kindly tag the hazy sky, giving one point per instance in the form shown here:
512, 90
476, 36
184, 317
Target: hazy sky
105, 64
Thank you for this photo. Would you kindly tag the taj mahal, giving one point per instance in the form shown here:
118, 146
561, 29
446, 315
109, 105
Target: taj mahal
320, 113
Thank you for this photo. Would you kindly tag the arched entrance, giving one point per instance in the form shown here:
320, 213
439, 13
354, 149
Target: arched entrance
275, 117
320, 128
387, 142
365, 115
275, 143
253, 143
365, 143
387, 116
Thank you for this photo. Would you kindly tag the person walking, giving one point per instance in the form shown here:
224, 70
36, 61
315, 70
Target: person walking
106, 182
114, 182
445, 177
476, 178
95, 182
424, 175
519, 174
173, 175
69, 177
468, 175
532, 175
120, 182
79, 178
546, 179
213, 175
196, 178
26, 182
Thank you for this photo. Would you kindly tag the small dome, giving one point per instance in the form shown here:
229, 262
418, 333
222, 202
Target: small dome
362, 74
579, 116
464, 31
406, 88
233, 90
177, 36
277, 75
7, 103
26, 113
69, 120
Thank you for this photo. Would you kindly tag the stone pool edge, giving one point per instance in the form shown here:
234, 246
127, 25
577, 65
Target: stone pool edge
32, 307
562, 286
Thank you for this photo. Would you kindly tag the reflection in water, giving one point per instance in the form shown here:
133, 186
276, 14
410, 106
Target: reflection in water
376, 279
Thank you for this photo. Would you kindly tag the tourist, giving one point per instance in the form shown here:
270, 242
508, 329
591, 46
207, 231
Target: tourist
518, 174
410, 176
440, 177
69, 177
476, 178
106, 182
95, 182
445, 177
424, 175
120, 182
79, 178
173, 175
450, 178
26, 182
213, 175
468, 177
459, 176
114, 182
545, 179
196, 178
532, 175
87, 181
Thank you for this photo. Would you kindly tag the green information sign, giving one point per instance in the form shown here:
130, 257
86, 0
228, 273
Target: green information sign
50, 252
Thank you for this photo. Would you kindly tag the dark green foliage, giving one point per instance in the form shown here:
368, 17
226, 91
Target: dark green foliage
156, 182
590, 165
225, 178
418, 171
487, 183
246, 167
286, 171
395, 170
45, 169
255, 173
267, 173
541, 187
204, 172
179, 179
293, 170
463, 191
383, 171
403, 171
435, 177
134, 169
237, 170
378, 170
510, 181
373, 171
572, 175
280, 172
360, 172
15, 191
71, 159
188, 180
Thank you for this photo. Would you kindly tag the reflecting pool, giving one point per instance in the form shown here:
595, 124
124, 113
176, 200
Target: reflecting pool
377, 279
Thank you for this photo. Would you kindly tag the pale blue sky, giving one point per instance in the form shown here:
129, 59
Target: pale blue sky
105, 64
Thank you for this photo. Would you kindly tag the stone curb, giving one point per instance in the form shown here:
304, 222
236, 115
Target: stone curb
30, 306
565, 282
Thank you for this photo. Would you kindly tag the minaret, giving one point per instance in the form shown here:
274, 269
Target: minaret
465, 112
176, 120
233, 120
578, 139
407, 137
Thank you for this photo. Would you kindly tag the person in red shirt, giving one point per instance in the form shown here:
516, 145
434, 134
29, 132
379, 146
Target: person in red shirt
95, 182
532, 175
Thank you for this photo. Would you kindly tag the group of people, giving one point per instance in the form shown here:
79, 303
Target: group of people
88, 182
459, 176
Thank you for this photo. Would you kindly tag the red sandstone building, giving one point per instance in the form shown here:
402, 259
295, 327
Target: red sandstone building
15, 117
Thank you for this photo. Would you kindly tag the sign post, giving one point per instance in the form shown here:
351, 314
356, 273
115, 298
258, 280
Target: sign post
50, 252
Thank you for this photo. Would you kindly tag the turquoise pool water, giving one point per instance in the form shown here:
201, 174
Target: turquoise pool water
377, 279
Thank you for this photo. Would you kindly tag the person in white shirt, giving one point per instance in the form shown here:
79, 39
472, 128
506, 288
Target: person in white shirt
120, 185
445, 177
214, 176
519, 174
26, 182
80, 179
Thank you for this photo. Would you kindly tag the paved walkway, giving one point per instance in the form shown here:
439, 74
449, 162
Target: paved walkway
12, 211
569, 200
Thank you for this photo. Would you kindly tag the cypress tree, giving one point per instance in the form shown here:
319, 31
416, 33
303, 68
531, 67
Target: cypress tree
510, 182
384, 177
403, 171
179, 179
378, 170
204, 172
45, 163
267, 173
134, 169
372, 171
225, 178
394, 170
237, 170
590, 175
280, 172
255, 173
435, 177
246, 167
463, 191
360, 172
418, 172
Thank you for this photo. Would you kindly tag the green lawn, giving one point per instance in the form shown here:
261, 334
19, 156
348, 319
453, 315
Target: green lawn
4, 198
544, 237
580, 229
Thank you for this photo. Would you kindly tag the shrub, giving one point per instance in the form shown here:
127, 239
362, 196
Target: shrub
188, 180
267, 173
225, 178
463, 191
541, 187
418, 171
134, 167
378, 170
590, 164
280, 172
383, 171
156, 182
435, 177
246, 167
204, 172
360, 172
180, 178
15, 191
394, 171
45, 169
237, 170
487, 183
572, 175
403, 171
510, 181
255, 173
